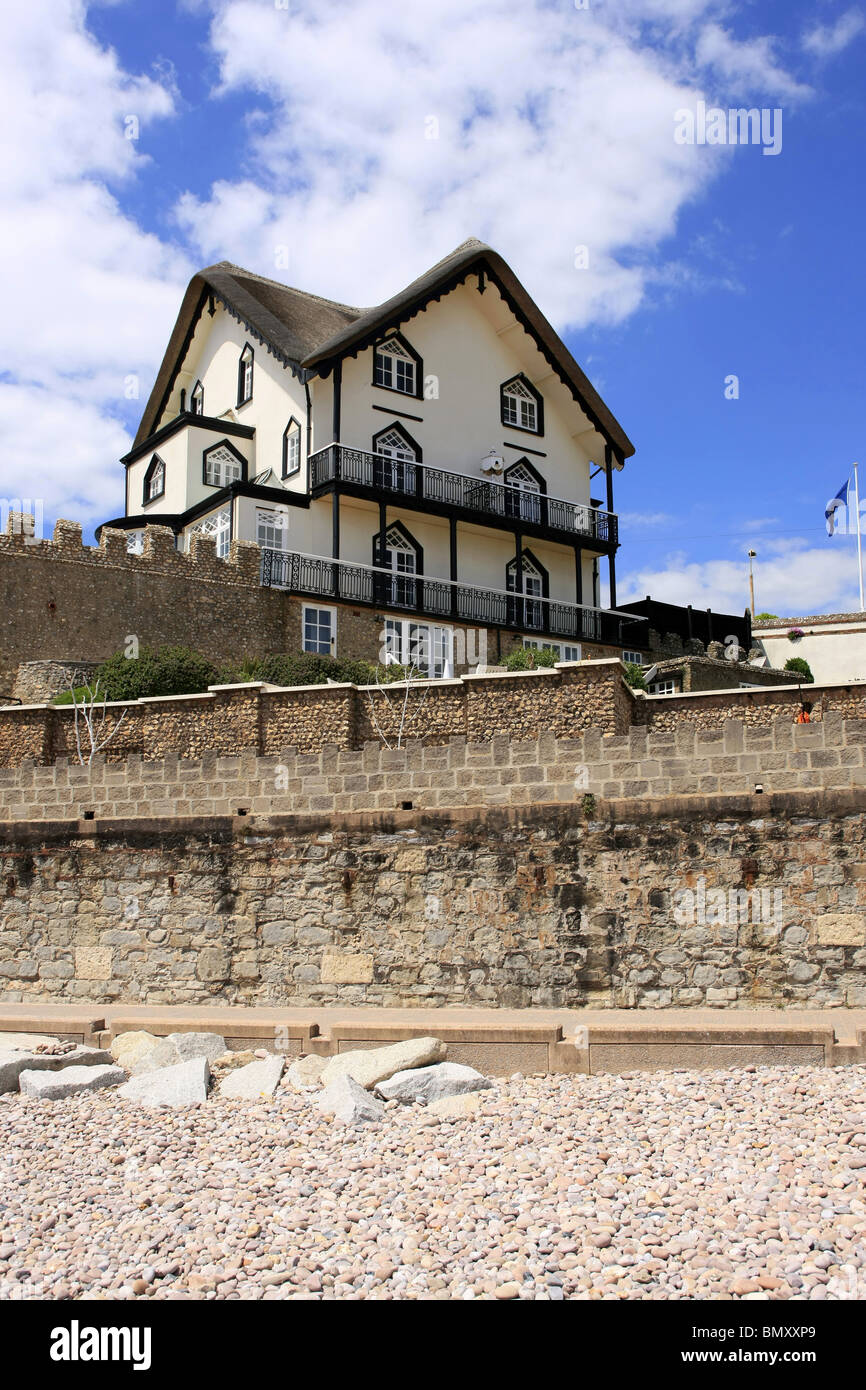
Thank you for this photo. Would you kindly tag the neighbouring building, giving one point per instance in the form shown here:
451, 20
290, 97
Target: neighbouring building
426, 468
834, 644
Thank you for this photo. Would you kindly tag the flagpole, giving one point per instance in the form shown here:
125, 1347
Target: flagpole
859, 544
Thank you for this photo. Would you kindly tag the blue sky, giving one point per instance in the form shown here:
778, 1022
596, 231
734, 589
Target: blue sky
303, 129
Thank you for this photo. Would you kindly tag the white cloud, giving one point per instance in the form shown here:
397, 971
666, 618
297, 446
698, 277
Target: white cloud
793, 578
88, 298
742, 68
555, 130
826, 40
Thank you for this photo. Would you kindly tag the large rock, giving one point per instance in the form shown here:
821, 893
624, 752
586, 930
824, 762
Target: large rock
428, 1084
14, 1062
188, 1045
184, 1084
305, 1073
349, 1102
252, 1082
368, 1067
69, 1081
452, 1108
138, 1052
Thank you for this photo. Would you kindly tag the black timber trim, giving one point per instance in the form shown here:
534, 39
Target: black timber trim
405, 435
199, 386
179, 520
536, 453
155, 462
539, 405
242, 399
525, 463
293, 420
182, 421
380, 535
528, 557
386, 410
393, 336
222, 444
203, 298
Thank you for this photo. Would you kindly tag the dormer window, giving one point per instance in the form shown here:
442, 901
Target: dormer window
291, 448
397, 367
245, 376
521, 405
222, 464
196, 399
154, 480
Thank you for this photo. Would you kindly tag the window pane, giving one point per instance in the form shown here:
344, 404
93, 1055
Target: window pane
318, 630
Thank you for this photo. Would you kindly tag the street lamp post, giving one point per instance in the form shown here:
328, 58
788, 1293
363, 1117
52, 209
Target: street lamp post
752, 556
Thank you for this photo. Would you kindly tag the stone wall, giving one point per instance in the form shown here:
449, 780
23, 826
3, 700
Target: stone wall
709, 710
565, 700
501, 771
538, 905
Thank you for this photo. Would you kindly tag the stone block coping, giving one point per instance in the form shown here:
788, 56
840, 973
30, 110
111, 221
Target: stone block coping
500, 1041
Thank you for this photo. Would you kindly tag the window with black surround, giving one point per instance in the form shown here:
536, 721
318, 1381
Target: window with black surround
533, 585
521, 405
196, 399
222, 464
397, 366
397, 455
245, 375
525, 489
291, 448
154, 480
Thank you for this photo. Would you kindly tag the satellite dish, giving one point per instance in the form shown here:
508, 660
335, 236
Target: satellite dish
492, 462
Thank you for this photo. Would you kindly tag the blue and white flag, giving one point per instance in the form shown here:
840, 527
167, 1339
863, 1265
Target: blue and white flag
840, 500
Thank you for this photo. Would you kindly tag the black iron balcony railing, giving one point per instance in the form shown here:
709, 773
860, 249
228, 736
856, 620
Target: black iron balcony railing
315, 576
486, 497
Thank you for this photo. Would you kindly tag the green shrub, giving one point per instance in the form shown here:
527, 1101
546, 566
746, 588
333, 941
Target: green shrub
765, 618
530, 658
799, 664
634, 676
155, 671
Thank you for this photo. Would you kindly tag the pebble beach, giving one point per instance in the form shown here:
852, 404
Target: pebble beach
735, 1184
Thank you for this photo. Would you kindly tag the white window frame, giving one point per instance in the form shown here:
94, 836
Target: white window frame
245, 375
277, 519
633, 658
196, 399
134, 542
563, 648
225, 463
394, 368
216, 524
519, 407
319, 608
669, 686
402, 638
292, 438
157, 476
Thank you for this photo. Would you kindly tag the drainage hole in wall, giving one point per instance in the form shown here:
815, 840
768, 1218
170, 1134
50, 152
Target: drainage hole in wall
405, 805
243, 810
89, 815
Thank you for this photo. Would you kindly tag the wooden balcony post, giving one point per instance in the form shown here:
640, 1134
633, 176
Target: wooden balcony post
453, 569
608, 464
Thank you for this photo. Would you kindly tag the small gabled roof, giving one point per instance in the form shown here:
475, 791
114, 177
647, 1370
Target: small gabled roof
311, 333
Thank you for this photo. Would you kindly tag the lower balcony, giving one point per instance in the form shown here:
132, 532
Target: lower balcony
315, 576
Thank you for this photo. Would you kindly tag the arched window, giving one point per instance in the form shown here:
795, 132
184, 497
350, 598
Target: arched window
222, 464
245, 376
196, 399
521, 405
218, 525
291, 448
397, 366
524, 488
535, 587
154, 480
402, 559
399, 454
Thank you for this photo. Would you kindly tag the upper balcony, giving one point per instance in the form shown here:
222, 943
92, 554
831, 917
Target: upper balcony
478, 499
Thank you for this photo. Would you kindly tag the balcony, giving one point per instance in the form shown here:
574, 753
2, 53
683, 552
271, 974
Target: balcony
474, 498
314, 576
